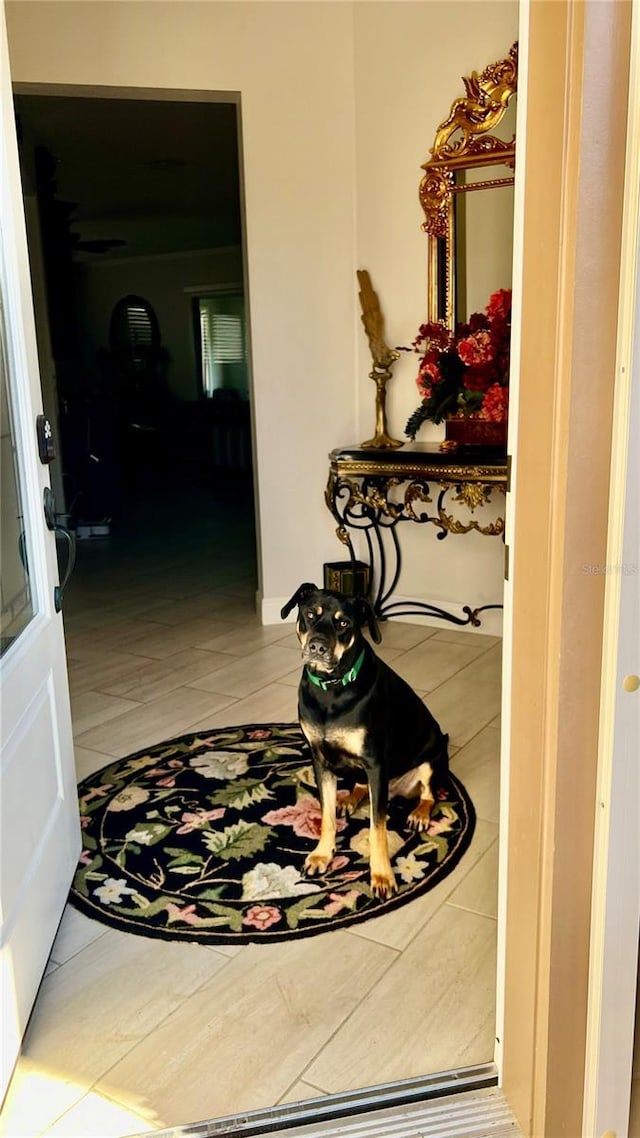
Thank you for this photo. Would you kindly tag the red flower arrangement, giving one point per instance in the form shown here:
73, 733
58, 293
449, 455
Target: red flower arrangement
465, 373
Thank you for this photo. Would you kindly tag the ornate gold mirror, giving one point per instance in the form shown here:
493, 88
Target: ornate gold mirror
470, 233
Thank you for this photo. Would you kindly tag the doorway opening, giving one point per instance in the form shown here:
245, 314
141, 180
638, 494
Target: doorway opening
121, 239
164, 527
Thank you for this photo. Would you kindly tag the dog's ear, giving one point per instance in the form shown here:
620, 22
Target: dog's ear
366, 615
298, 598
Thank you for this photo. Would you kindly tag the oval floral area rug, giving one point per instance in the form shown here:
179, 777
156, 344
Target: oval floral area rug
204, 838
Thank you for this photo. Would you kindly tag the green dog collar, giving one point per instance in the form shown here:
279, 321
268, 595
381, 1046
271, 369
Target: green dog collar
348, 677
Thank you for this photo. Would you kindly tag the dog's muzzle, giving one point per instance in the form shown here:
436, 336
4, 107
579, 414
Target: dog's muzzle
319, 654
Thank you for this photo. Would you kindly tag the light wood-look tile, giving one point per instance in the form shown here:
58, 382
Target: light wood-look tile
100, 614
75, 933
91, 1011
235, 611
464, 707
150, 679
161, 641
88, 762
387, 653
399, 928
245, 641
275, 703
94, 674
93, 708
397, 634
121, 673
477, 765
153, 722
235, 679
92, 643
457, 636
231, 1047
36, 1098
191, 608
432, 1011
95, 1114
301, 1092
429, 664
486, 668
292, 679
478, 890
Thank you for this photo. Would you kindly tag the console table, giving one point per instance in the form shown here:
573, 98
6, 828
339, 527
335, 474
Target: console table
374, 491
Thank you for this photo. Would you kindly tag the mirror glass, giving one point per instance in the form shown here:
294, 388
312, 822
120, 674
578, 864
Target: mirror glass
483, 244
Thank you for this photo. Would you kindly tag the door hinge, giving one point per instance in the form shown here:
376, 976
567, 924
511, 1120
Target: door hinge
506, 562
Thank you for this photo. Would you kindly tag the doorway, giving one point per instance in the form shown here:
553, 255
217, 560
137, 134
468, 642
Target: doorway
163, 507
122, 238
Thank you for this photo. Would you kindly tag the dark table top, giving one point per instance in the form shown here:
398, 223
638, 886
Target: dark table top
423, 458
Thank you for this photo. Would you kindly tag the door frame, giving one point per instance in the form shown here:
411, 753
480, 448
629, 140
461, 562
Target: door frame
179, 95
576, 61
616, 886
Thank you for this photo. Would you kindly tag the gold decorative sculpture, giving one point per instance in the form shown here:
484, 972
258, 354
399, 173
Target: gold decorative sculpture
383, 358
465, 131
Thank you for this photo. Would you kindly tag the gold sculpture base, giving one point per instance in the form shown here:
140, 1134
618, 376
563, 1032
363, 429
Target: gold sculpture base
382, 440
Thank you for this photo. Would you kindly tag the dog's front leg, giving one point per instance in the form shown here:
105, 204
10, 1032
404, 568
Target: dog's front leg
383, 882
318, 860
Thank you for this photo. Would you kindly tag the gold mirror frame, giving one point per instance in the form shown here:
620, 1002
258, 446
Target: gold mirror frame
463, 141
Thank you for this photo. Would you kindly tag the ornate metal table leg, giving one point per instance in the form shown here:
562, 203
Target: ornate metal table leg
367, 502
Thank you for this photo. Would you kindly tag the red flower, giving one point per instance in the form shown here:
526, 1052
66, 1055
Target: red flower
495, 405
435, 334
499, 306
476, 349
466, 373
478, 378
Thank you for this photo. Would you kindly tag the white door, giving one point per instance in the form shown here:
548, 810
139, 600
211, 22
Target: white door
39, 827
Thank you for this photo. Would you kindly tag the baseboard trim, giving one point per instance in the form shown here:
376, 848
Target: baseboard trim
269, 609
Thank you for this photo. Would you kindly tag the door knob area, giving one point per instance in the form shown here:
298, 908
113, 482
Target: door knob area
60, 531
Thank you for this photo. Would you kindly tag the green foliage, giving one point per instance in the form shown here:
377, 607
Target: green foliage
241, 793
238, 841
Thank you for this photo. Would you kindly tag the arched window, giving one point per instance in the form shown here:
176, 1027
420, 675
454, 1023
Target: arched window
134, 329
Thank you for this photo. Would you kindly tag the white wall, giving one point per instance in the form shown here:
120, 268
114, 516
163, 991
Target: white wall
409, 60
339, 105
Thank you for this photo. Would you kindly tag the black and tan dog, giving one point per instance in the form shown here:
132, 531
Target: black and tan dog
359, 717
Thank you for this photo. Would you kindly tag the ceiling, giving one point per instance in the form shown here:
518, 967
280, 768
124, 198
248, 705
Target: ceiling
160, 176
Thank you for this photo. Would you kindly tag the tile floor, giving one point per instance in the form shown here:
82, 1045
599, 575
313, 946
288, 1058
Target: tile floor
129, 1034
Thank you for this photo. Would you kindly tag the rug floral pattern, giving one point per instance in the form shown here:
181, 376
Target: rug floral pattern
204, 838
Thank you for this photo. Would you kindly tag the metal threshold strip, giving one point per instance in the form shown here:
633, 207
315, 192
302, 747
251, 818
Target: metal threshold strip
465, 1103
